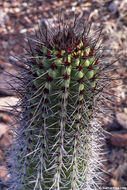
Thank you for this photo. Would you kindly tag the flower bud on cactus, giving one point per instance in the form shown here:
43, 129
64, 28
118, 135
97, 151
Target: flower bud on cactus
57, 143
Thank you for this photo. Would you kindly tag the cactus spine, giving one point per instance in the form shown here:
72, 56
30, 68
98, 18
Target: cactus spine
57, 141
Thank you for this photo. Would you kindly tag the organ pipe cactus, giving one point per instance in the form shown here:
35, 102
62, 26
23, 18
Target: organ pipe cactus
57, 144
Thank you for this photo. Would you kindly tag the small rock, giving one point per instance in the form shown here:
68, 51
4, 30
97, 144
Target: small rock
17, 10
1, 155
94, 15
5, 118
5, 135
4, 45
7, 102
5, 140
2, 16
114, 183
3, 129
22, 31
119, 140
73, 8
3, 173
113, 7
6, 80
125, 110
1, 65
122, 119
12, 42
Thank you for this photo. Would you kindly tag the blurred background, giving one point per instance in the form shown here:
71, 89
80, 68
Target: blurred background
18, 18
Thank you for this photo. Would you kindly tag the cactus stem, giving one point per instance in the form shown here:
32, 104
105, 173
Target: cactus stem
58, 142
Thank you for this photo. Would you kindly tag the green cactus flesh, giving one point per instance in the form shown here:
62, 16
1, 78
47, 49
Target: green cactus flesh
57, 107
